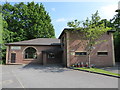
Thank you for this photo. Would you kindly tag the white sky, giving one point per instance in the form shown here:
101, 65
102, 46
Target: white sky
108, 11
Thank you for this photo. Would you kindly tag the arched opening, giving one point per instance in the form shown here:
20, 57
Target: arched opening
30, 53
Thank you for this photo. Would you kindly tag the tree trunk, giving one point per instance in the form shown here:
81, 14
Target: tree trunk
89, 60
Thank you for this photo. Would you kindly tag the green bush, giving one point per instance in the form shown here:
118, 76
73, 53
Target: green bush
2, 61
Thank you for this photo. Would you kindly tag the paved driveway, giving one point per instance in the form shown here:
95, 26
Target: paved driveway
38, 76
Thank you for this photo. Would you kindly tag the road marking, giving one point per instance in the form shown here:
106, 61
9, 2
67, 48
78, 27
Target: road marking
6, 82
18, 79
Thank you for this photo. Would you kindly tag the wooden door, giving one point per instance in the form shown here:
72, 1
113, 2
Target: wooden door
13, 57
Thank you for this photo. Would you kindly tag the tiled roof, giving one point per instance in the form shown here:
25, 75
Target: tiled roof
38, 41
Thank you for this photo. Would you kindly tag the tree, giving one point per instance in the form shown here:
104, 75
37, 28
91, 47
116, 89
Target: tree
0, 25
25, 21
116, 24
0, 33
92, 30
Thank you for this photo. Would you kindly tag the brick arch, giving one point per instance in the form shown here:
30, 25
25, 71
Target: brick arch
28, 47
23, 52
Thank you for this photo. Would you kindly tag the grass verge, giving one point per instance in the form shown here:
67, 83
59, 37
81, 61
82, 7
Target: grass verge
98, 71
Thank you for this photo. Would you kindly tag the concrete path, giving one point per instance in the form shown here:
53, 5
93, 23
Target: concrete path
38, 76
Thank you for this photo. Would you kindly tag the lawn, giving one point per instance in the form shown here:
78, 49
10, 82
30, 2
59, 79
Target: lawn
97, 71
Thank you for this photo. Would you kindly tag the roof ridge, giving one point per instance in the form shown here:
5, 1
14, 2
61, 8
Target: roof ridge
37, 41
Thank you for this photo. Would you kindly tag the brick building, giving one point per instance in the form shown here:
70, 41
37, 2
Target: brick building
67, 50
41, 50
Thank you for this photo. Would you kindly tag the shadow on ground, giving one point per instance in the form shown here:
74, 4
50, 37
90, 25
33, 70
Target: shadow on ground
55, 68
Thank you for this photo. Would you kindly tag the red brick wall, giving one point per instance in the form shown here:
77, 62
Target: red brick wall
63, 41
72, 42
20, 54
76, 44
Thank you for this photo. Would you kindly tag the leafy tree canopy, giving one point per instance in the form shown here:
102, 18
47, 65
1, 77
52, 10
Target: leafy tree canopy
23, 22
115, 23
92, 29
26, 21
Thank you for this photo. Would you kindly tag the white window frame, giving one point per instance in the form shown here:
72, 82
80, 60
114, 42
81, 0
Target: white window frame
26, 54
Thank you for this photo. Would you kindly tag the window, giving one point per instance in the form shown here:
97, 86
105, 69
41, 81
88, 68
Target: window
102, 53
80, 53
51, 55
30, 53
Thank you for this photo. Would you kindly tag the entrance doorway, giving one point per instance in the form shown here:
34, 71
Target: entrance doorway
13, 57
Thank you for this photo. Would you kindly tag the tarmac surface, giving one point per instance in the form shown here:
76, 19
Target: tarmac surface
115, 69
38, 76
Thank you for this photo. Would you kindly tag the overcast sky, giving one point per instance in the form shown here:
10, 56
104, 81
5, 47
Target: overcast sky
62, 11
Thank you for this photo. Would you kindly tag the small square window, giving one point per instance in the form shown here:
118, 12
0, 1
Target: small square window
102, 53
80, 53
51, 55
